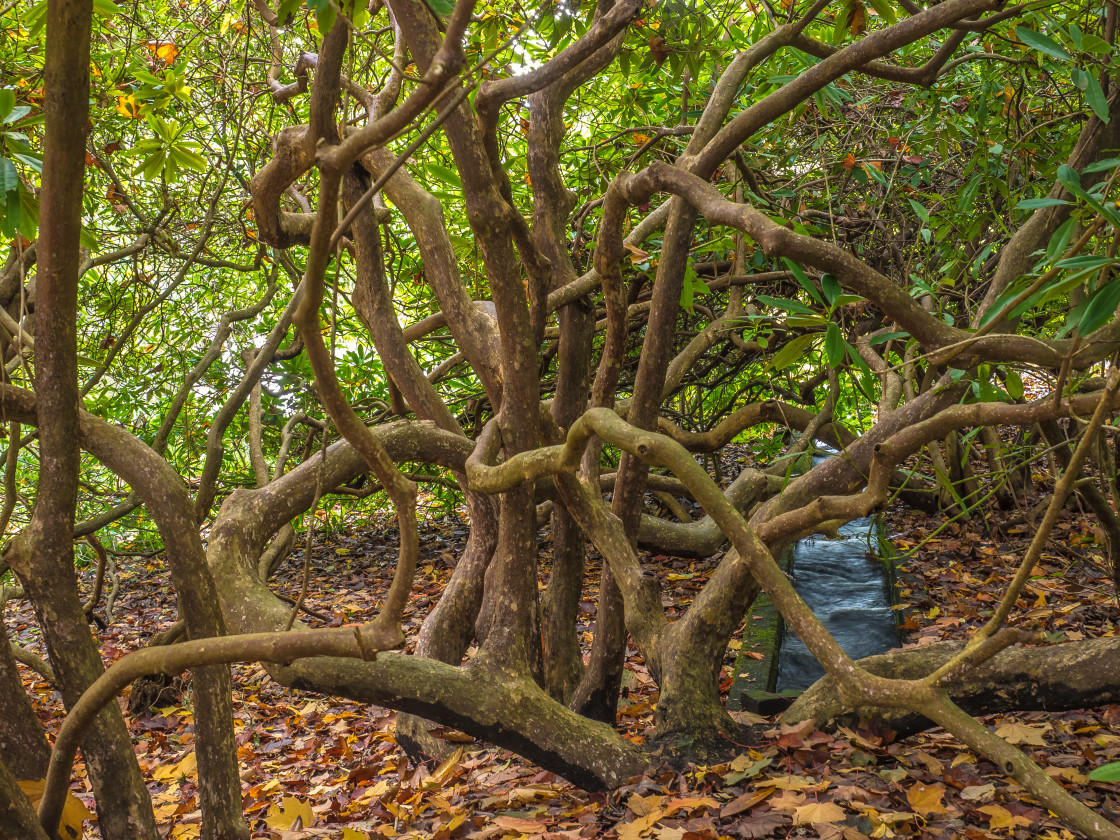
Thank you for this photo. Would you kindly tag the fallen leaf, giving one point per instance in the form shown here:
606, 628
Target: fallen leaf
762, 825
748, 718
74, 811
927, 799
788, 801
188, 767
643, 805
636, 828
1021, 733
818, 812
979, 793
745, 802
1000, 817
791, 782
283, 816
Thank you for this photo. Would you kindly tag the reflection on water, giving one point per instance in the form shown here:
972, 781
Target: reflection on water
845, 588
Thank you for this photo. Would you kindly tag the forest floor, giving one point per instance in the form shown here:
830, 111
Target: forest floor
316, 766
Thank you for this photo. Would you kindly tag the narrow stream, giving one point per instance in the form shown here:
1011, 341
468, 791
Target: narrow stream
844, 585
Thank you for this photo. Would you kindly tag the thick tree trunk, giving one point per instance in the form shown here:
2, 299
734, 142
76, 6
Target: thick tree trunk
42, 554
1053, 678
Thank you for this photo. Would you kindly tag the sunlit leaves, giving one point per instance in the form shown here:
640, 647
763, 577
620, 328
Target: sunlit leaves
19, 209
166, 154
127, 107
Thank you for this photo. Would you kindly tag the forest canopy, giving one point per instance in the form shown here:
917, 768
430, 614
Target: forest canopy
273, 269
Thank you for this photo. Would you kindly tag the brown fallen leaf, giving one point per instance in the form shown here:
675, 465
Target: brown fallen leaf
1021, 733
762, 824
744, 803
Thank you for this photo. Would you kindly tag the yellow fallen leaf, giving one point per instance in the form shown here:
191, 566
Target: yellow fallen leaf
445, 770
1000, 817
637, 828
926, 799
290, 811
74, 812
351, 834
818, 812
643, 805
188, 767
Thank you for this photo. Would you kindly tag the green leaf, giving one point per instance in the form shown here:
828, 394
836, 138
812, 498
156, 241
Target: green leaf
783, 303
1106, 773
7, 103
834, 345
9, 177
444, 7
792, 351
885, 337
105, 8
803, 279
1042, 43
920, 211
189, 159
445, 174
690, 287
1094, 96
1100, 307
843, 21
9, 213
1036, 203
35, 19
1013, 384
1102, 165
884, 10
1059, 240
1086, 261
287, 11
831, 288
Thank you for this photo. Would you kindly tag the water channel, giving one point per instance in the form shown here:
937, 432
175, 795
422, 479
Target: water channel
843, 581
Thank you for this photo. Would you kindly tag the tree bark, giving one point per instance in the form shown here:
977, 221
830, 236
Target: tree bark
1054, 678
23, 743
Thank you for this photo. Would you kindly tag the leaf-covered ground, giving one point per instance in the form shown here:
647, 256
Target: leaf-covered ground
320, 767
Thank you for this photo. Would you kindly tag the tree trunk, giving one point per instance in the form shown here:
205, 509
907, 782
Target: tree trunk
18, 820
23, 743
